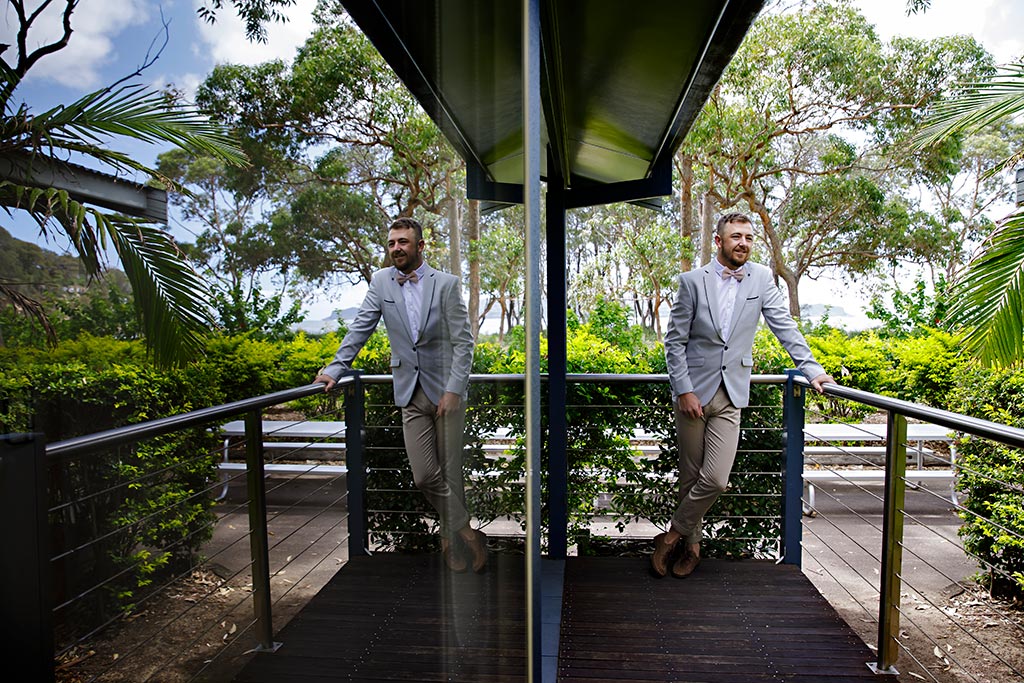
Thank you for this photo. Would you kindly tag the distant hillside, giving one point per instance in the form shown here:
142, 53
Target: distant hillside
40, 273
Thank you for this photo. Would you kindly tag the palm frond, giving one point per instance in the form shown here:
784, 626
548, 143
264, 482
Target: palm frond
982, 104
988, 298
30, 308
133, 112
169, 296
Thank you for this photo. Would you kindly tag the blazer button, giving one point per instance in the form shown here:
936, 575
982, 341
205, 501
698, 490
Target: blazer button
723, 367
726, 348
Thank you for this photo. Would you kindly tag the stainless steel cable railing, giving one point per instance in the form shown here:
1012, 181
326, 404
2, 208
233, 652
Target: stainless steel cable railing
904, 552
879, 544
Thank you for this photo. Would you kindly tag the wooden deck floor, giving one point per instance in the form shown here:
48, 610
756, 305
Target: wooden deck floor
403, 618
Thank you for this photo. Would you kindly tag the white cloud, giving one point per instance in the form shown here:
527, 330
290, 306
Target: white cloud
225, 41
993, 23
96, 24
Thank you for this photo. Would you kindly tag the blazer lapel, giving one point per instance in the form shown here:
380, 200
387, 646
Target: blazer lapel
711, 291
428, 285
399, 296
741, 299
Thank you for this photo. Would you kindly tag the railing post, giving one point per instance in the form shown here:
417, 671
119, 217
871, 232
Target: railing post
259, 545
355, 419
793, 472
25, 577
558, 423
892, 545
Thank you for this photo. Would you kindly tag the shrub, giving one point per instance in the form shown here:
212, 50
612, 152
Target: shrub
992, 477
926, 367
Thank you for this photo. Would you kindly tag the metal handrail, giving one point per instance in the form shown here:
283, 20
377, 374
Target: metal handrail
898, 410
1011, 436
165, 425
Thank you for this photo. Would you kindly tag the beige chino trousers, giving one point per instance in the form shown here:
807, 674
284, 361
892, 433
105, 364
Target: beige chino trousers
707, 450
434, 446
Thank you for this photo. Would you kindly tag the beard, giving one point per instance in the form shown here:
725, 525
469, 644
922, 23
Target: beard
735, 258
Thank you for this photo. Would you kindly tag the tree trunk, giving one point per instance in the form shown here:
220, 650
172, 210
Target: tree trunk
455, 235
473, 227
707, 231
685, 167
778, 263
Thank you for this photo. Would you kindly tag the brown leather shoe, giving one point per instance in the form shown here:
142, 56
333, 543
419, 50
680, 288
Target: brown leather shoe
660, 556
453, 558
478, 549
685, 565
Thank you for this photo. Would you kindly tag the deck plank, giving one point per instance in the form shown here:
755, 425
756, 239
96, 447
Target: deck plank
729, 621
395, 617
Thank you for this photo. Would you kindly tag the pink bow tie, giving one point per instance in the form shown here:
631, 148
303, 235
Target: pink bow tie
738, 274
403, 278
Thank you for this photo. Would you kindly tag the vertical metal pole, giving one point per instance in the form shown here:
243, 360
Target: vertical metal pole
793, 474
259, 545
26, 634
892, 545
531, 201
558, 427
355, 417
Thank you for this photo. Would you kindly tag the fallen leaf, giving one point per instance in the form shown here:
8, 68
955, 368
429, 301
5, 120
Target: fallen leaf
916, 675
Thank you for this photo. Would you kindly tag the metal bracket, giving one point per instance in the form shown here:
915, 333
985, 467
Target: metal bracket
891, 671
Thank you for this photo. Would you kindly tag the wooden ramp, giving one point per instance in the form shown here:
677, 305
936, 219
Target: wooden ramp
397, 617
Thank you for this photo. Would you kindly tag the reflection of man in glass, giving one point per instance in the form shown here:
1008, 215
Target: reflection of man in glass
708, 348
431, 358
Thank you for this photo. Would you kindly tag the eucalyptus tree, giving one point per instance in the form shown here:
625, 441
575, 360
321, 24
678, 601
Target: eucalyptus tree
501, 254
169, 296
335, 124
801, 132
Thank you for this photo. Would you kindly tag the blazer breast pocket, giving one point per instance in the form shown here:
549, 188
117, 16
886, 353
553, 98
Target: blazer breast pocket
754, 298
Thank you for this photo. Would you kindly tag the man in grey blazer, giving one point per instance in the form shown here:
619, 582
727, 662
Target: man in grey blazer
709, 351
431, 358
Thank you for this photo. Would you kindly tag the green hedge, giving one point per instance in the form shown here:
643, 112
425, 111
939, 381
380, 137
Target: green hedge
97, 383
992, 478
149, 503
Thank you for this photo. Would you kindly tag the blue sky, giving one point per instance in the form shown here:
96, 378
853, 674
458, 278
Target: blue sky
112, 38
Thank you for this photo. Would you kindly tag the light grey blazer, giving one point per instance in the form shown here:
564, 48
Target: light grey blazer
699, 360
442, 358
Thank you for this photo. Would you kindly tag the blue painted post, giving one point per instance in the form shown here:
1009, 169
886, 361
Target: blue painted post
355, 418
558, 464
792, 473
25, 578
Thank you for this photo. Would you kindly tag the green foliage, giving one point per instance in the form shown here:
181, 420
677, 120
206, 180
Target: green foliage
909, 312
141, 509
992, 477
927, 368
242, 313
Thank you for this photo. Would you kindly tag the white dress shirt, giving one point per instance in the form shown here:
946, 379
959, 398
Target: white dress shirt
727, 289
412, 292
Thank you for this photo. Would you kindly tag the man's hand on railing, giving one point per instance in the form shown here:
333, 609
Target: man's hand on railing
327, 380
822, 379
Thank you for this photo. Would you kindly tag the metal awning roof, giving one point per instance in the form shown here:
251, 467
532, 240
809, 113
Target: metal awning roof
86, 185
621, 83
